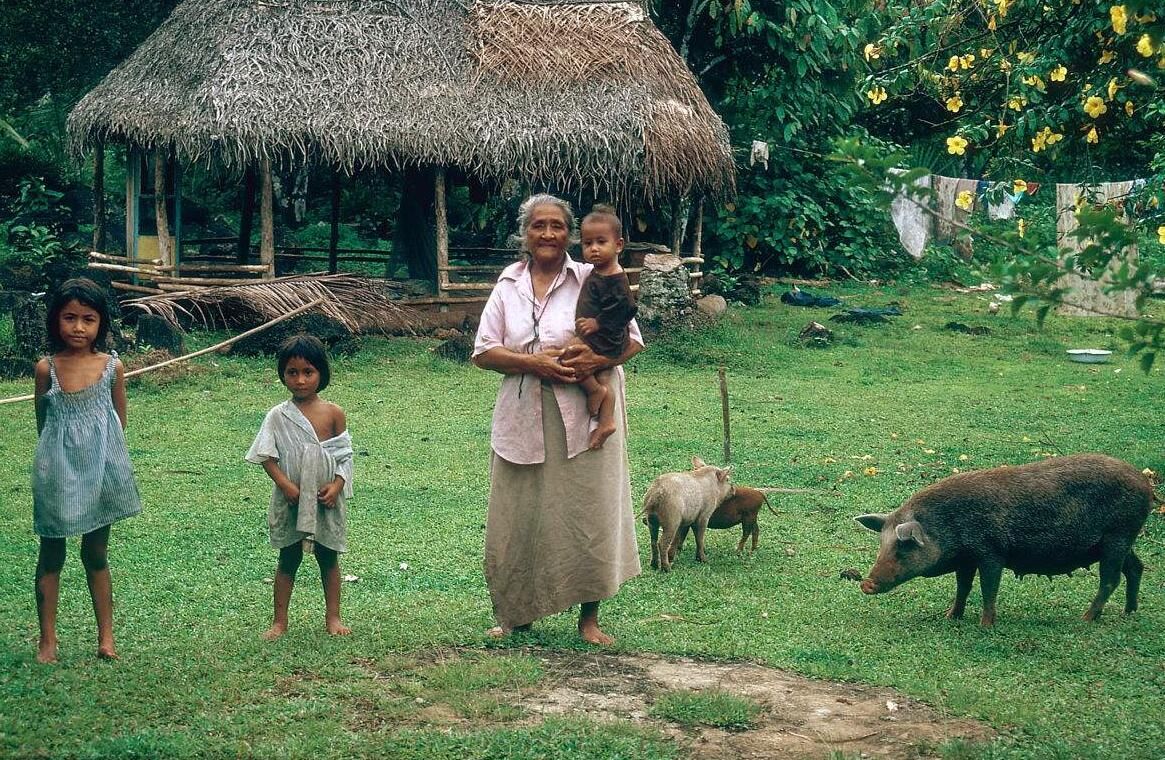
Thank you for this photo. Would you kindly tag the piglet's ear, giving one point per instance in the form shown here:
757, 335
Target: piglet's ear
871, 522
697, 463
724, 473
910, 531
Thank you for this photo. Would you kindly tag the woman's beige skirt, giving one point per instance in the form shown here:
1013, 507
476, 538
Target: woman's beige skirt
561, 532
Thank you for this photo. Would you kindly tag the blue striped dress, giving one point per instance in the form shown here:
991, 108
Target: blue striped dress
82, 479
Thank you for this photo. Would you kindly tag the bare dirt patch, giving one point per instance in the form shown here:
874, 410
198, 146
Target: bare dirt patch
802, 718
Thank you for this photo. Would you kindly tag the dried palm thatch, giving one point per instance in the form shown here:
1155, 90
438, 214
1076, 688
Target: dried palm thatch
358, 303
573, 94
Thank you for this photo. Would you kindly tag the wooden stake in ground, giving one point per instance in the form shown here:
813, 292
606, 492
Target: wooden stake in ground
202, 351
724, 414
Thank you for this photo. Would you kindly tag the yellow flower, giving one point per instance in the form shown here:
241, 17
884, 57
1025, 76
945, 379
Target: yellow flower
966, 61
956, 145
877, 95
954, 104
1148, 18
1145, 46
1129, 107
1107, 57
1002, 6
1058, 74
991, 22
1095, 106
870, 471
985, 53
1112, 88
1092, 136
953, 64
964, 199
1035, 81
873, 52
1120, 17
1017, 103
1161, 234
1019, 186
1025, 57
1044, 138
1021, 225
1001, 130
1004, 64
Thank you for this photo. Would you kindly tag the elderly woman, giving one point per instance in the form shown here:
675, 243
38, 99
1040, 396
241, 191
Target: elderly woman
560, 529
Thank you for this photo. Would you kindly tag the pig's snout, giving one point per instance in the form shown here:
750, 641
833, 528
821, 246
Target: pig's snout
869, 586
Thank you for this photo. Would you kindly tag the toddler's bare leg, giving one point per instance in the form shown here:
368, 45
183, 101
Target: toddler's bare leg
48, 589
289, 559
606, 426
94, 556
596, 394
330, 577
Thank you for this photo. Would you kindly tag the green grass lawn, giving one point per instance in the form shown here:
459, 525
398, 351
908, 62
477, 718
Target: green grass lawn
910, 399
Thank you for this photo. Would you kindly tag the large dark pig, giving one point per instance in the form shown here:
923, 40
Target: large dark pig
1044, 518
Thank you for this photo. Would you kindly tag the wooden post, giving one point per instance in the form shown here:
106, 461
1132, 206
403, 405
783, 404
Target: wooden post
133, 178
334, 241
698, 242
266, 219
442, 234
247, 215
724, 414
677, 226
99, 197
165, 250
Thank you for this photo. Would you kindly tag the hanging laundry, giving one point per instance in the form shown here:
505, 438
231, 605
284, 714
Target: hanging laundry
1087, 297
759, 153
915, 226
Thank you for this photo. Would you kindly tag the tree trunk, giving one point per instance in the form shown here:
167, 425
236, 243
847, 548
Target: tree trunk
99, 197
334, 239
415, 236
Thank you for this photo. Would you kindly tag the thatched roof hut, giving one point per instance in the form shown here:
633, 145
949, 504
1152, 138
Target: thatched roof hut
571, 94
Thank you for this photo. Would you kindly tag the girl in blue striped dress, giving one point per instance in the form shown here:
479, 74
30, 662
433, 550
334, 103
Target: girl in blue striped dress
82, 481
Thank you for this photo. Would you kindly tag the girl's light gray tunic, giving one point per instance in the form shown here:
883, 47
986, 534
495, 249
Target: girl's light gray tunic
82, 479
287, 436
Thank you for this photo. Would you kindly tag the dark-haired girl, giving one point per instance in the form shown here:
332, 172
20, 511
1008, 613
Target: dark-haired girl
82, 481
305, 448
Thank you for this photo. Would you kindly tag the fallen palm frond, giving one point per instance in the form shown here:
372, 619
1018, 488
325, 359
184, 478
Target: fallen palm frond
358, 303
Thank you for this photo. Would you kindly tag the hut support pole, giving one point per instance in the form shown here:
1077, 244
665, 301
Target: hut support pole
266, 220
247, 215
698, 240
334, 241
165, 249
99, 196
678, 222
442, 235
133, 178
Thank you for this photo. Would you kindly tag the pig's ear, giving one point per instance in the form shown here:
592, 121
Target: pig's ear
872, 522
911, 531
697, 463
723, 474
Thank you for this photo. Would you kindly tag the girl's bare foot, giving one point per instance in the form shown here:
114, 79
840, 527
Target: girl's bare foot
107, 652
596, 398
499, 632
592, 634
337, 628
275, 631
600, 435
46, 653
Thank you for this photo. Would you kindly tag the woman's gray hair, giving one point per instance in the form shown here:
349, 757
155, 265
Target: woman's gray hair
527, 209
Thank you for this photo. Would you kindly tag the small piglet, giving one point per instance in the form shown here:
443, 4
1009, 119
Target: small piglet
677, 499
1044, 518
742, 509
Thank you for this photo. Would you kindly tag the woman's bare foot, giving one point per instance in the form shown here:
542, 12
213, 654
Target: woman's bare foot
596, 398
46, 653
107, 652
600, 435
589, 629
275, 631
337, 628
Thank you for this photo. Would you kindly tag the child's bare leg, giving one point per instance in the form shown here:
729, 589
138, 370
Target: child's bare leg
330, 577
596, 394
289, 559
94, 556
48, 589
606, 425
